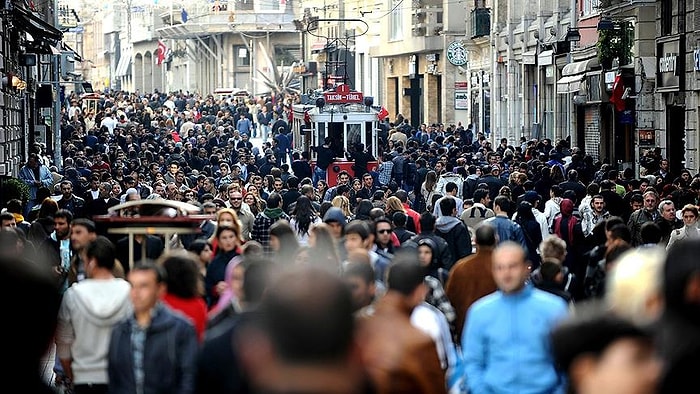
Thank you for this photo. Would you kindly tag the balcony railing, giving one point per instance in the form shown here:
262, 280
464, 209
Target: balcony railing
220, 17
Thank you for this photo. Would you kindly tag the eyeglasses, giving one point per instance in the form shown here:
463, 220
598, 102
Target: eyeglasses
385, 231
236, 198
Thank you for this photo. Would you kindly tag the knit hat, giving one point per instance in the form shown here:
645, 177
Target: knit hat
335, 214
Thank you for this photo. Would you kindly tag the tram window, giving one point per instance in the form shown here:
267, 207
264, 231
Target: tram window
321, 127
354, 135
369, 140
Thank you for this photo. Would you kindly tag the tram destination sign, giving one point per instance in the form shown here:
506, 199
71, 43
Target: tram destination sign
343, 95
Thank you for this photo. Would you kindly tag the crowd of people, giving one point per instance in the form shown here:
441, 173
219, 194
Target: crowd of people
450, 265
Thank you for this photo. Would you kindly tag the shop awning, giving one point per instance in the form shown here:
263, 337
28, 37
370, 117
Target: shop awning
545, 58
530, 57
29, 22
579, 67
569, 84
321, 46
76, 55
123, 67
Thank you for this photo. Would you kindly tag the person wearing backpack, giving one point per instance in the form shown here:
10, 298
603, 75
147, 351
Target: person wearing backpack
471, 183
477, 213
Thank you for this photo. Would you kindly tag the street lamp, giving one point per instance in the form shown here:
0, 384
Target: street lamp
604, 24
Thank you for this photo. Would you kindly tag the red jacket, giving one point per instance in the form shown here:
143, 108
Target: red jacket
194, 309
413, 215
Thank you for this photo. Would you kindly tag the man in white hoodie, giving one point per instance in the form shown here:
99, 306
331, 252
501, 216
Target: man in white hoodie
89, 311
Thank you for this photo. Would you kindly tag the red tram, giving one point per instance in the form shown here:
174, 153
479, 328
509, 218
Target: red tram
347, 117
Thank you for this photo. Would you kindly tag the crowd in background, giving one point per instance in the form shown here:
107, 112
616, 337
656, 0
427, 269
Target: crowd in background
446, 263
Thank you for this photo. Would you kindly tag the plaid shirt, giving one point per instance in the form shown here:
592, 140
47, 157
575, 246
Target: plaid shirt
261, 230
385, 170
436, 297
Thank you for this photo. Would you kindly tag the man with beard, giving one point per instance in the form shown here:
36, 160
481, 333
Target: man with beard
70, 201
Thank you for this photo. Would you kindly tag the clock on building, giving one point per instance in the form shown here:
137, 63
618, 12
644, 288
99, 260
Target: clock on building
456, 53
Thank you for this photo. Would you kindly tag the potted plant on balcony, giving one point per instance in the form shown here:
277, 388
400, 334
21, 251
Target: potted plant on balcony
615, 44
607, 48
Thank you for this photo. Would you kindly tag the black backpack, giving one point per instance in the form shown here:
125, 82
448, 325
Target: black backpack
468, 188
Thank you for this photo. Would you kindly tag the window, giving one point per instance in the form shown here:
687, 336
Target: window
270, 5
590, 6
396, 21
594, 88
666, 17
242, 56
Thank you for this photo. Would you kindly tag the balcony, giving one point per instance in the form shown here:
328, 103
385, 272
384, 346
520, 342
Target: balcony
480, 22
426, 21
202, 19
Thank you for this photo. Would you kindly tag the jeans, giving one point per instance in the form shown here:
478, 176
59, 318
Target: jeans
265, 129
319, 174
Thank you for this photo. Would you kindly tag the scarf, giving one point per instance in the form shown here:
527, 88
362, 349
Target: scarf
273, 213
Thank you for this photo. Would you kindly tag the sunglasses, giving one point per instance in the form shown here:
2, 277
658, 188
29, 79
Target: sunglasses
388, 231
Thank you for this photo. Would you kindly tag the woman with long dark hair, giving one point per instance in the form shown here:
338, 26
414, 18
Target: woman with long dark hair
283, 242
362, 212
303, 216
428, 189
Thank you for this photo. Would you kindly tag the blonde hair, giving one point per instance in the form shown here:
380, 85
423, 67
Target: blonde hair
236, 223
393, 204
343, 203
553, 247
633, 284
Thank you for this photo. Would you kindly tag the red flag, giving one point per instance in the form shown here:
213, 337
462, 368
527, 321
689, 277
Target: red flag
383, 113
160, 52
616, 95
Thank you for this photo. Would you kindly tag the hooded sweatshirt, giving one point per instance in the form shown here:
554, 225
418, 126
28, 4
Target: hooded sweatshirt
89, 311
446, 223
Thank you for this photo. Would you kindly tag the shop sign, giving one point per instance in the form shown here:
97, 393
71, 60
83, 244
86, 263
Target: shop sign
461, 100
343, 95
464, 85
627, 117
669, 62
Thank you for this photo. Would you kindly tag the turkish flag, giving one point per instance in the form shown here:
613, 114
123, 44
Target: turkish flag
383, 113
160, 51
616, 96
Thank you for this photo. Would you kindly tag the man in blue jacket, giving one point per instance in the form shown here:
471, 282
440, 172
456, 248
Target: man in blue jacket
505, 339
154, 350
